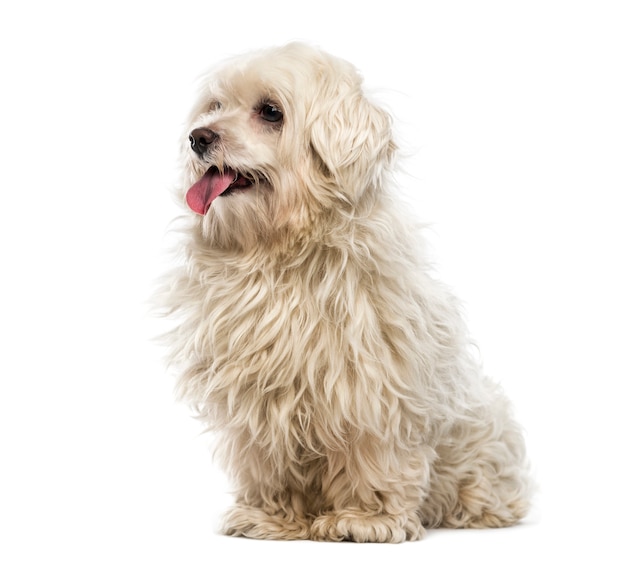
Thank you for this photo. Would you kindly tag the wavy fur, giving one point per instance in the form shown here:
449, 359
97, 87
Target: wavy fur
336, 371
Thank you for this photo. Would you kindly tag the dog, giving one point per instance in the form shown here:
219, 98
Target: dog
311, 335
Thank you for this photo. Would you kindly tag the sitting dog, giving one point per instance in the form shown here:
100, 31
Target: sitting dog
311, 337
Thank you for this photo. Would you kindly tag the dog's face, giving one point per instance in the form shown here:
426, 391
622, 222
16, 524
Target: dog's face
279, 142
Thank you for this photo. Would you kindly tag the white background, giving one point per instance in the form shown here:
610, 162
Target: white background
513, 115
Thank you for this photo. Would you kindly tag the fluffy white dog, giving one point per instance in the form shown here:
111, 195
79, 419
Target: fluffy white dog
311, 335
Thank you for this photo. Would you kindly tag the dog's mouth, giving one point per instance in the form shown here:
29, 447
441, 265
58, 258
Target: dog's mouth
215, 183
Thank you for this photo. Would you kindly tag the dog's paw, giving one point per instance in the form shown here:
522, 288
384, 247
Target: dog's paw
252, 522
360, 527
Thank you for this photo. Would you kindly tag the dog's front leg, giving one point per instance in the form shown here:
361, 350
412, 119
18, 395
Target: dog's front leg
264, 523
373, 493
268, 503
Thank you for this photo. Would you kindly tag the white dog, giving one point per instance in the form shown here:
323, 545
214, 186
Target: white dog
311, 335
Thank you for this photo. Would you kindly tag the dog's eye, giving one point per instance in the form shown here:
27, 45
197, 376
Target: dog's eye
269, 112
214, 105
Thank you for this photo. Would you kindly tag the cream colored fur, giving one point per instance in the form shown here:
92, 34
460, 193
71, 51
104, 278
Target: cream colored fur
335, 370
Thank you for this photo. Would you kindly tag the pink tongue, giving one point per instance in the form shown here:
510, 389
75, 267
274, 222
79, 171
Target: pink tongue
209, 187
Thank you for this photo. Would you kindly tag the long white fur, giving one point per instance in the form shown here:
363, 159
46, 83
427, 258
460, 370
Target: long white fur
336, 372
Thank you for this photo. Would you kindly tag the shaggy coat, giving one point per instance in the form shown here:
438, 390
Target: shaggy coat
336, 372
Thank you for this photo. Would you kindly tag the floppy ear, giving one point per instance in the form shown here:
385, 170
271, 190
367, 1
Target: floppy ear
351, 140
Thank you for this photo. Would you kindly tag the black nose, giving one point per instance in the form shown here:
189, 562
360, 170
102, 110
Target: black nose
201, 139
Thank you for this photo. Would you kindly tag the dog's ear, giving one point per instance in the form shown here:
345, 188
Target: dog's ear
351, 141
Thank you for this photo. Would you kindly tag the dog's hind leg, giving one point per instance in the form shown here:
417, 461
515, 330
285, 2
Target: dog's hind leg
480, 479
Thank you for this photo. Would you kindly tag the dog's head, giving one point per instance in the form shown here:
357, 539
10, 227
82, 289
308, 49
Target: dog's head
279, 142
